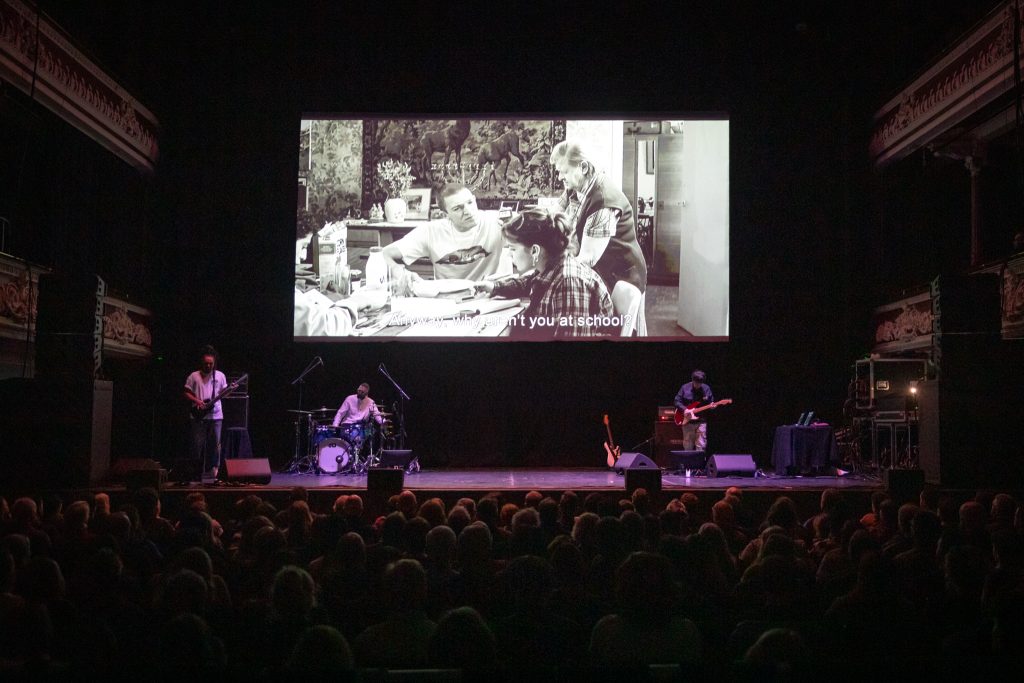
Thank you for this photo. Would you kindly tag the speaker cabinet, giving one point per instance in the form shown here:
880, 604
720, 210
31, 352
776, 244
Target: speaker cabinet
668, 436
648, 479
731, 466
55, 432
247, 471
630, 461
236, 411
385, 480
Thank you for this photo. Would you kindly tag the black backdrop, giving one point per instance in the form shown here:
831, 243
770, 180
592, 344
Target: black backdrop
206, 240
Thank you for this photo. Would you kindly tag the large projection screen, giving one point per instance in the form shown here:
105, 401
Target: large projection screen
513, 227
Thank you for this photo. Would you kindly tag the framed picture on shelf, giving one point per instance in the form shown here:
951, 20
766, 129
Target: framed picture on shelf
417, 201
548, 203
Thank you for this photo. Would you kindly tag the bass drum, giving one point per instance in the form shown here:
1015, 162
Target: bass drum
334, 455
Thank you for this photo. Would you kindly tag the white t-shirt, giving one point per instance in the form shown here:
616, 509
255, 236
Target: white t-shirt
206, 388
470, 255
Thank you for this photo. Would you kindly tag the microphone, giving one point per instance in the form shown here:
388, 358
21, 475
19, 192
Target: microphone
381, 367
319, 360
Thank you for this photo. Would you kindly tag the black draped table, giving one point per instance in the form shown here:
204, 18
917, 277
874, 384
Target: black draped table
802, 449
236, 444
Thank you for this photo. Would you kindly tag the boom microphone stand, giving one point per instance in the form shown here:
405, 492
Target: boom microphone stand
299, 463
403, 397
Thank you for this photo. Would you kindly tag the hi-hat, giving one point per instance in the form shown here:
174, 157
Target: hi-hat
385, 414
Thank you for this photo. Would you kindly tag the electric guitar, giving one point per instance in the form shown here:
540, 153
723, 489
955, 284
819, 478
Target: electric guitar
610, 448
199, 412
684, 416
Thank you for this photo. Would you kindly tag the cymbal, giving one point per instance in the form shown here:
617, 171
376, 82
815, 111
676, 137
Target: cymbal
326, 410
383, 414
300, 412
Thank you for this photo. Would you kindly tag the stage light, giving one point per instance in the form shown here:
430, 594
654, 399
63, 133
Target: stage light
913, 388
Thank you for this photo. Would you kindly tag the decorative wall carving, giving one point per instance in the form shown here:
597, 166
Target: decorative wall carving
19, 287
72, 86
127, 329
967, 78
903, 325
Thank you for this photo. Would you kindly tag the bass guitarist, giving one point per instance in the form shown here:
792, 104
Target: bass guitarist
201, 387
695, 394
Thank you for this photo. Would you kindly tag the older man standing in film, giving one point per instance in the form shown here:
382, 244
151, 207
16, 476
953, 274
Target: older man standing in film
601, 217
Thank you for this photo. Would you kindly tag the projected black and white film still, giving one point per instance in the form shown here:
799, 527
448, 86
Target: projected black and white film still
512, 228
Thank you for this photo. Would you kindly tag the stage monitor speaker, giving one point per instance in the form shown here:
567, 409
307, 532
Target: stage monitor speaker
396, 458
731, 466
385, 480
904, 486
247, 470
687, 460
143, 478
647, 479
633, 461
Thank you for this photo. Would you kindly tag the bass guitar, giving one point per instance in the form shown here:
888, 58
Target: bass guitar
199, 412
684, 416
610, 448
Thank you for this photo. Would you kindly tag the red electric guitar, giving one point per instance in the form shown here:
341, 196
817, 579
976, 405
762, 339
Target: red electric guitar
684, 416
610, 448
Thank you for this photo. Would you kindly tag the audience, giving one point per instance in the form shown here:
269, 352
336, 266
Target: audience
108, 584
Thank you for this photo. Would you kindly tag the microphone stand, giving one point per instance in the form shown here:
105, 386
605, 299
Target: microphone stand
300, 380
403, 397
297, 464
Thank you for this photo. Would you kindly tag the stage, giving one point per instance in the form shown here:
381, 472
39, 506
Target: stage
558, 480
512, 484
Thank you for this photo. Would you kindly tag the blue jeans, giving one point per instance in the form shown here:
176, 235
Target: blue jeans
206, 442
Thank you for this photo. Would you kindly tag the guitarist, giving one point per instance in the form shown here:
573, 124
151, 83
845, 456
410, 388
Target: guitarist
202, 386
695, 394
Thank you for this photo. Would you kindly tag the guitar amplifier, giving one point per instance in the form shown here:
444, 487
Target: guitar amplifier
666, 413
667, 437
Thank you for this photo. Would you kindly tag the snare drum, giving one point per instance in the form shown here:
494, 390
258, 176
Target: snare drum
334, 455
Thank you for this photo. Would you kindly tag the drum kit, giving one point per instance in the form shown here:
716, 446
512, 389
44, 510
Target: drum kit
322, 448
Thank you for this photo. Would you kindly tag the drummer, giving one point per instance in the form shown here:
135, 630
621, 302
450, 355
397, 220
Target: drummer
358, 408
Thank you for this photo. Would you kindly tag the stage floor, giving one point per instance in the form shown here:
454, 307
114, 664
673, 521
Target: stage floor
597, 479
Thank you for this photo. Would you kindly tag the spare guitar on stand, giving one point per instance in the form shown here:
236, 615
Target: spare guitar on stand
610, 448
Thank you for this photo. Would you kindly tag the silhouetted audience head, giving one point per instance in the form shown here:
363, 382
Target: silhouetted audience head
645, 591
458, 519
780, 650
293, 594
321, 652
462, 640
187, 647
186, 592
406, 585
441, 543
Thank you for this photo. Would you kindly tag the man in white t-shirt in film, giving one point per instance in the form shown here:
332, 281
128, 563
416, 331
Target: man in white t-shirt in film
466, 245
